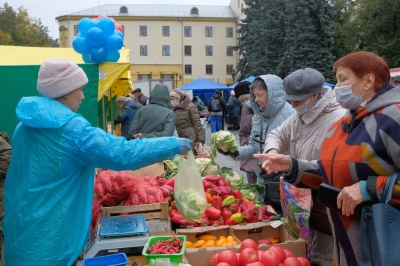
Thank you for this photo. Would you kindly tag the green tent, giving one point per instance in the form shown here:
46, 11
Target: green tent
19, 71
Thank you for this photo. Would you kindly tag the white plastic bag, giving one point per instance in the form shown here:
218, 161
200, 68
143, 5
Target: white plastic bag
189, 193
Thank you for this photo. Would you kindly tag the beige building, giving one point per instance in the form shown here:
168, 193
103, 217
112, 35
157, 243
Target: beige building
175, 43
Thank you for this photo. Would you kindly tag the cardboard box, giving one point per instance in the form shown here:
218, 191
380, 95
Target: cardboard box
156, 214
156, 169
262, 230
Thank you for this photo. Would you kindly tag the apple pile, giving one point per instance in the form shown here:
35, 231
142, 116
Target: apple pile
249, 255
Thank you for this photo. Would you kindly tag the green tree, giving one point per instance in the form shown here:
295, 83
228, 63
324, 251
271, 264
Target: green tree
379, 25
278, 37
17, 28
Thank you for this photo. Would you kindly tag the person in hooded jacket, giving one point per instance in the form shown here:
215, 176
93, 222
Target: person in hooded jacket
359, 152
267, 99
155, 119
302, 133
126, 115
49, 186
242, 91
216, 118
187, 118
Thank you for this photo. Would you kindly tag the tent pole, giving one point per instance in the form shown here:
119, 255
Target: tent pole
112, 112
103, 114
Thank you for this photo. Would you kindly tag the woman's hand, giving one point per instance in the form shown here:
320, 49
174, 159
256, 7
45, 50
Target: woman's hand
274, 162
349, 198
137, 136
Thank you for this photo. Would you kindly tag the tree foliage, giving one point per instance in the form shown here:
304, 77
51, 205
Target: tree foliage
278, 37
17, 28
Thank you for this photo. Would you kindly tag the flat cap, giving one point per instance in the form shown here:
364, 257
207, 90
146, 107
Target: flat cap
303, 83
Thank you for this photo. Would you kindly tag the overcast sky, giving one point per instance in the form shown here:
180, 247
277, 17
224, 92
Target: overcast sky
48, 10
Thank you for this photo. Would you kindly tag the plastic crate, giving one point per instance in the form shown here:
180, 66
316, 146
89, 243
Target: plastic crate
118, 259
173, 257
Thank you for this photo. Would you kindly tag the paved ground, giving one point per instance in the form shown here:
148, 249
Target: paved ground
224, 160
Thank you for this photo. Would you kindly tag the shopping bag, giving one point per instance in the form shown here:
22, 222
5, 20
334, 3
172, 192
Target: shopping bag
296, 208
189, 193
380, 233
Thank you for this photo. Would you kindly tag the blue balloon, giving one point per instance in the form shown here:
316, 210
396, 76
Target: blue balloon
112, 56
98, 55
86, 58
106, 25
119, 33
95, 36
84, 25
81, 45
113, 42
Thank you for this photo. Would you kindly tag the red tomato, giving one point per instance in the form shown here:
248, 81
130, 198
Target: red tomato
270, 258
292, 261
248, 255
214, 260
228, 256
278, 250
260, 252
304, 261
222, 264
249, 243
256, 264
288, 253
237, 259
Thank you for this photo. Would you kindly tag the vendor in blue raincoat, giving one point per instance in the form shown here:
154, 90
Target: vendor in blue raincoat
49, 185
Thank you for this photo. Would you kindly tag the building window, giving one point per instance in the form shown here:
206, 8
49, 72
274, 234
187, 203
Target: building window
165, 50
229, 69
144, 77
143, 30
143, 50
209, 69
208, 31
194, 11
188, 69
123, 10
188, 50
229, 51
76, 31
188, 31
229, 32
165, 31
209, 50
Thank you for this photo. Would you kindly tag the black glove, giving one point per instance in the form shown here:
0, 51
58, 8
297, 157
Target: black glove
223, 152
234, 154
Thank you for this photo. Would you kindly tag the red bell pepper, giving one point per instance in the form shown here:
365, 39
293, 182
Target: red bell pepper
267, 214
213, 178
251, 214
207, 185
226, 213
223, 183
176, 218
261, 214
213, 213
173, 212
217, 202
237, 194
234, 208
170, 182
222, 191
230, 222
203, 222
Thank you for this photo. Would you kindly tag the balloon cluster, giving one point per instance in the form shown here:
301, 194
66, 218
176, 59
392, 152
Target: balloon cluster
98, 40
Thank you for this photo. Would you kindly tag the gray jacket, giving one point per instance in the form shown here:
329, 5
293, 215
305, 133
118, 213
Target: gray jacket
267, 119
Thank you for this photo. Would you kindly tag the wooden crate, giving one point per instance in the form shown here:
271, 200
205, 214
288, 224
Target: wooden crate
156, 214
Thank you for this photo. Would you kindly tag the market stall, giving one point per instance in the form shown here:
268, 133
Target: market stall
19, 67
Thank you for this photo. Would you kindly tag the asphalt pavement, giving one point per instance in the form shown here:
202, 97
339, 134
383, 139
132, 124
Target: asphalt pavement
226, 160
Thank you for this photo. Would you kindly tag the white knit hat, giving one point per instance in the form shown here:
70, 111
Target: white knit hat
58, 77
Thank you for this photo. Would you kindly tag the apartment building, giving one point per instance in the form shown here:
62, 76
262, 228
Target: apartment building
176, 43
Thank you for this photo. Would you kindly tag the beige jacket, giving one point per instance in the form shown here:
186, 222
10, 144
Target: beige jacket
303, 136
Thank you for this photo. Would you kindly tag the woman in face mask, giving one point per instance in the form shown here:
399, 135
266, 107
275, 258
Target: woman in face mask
187, 118
302, 134
360, 150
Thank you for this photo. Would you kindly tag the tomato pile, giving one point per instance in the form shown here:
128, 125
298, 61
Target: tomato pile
169, 246
249, 255
226, 206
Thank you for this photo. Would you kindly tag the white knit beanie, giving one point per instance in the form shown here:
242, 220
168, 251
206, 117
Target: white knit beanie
58, 77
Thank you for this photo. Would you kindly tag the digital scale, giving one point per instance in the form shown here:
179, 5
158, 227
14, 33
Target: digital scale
118, 234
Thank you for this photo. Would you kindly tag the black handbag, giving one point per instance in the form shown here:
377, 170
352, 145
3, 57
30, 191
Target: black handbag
380, 230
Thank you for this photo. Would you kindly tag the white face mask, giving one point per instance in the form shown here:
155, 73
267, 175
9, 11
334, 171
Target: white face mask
174, 104
346, 98
302, 109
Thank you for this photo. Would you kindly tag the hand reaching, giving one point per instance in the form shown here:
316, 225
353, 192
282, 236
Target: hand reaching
274, 162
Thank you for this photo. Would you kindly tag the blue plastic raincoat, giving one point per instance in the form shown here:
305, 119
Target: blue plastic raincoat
49, 185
